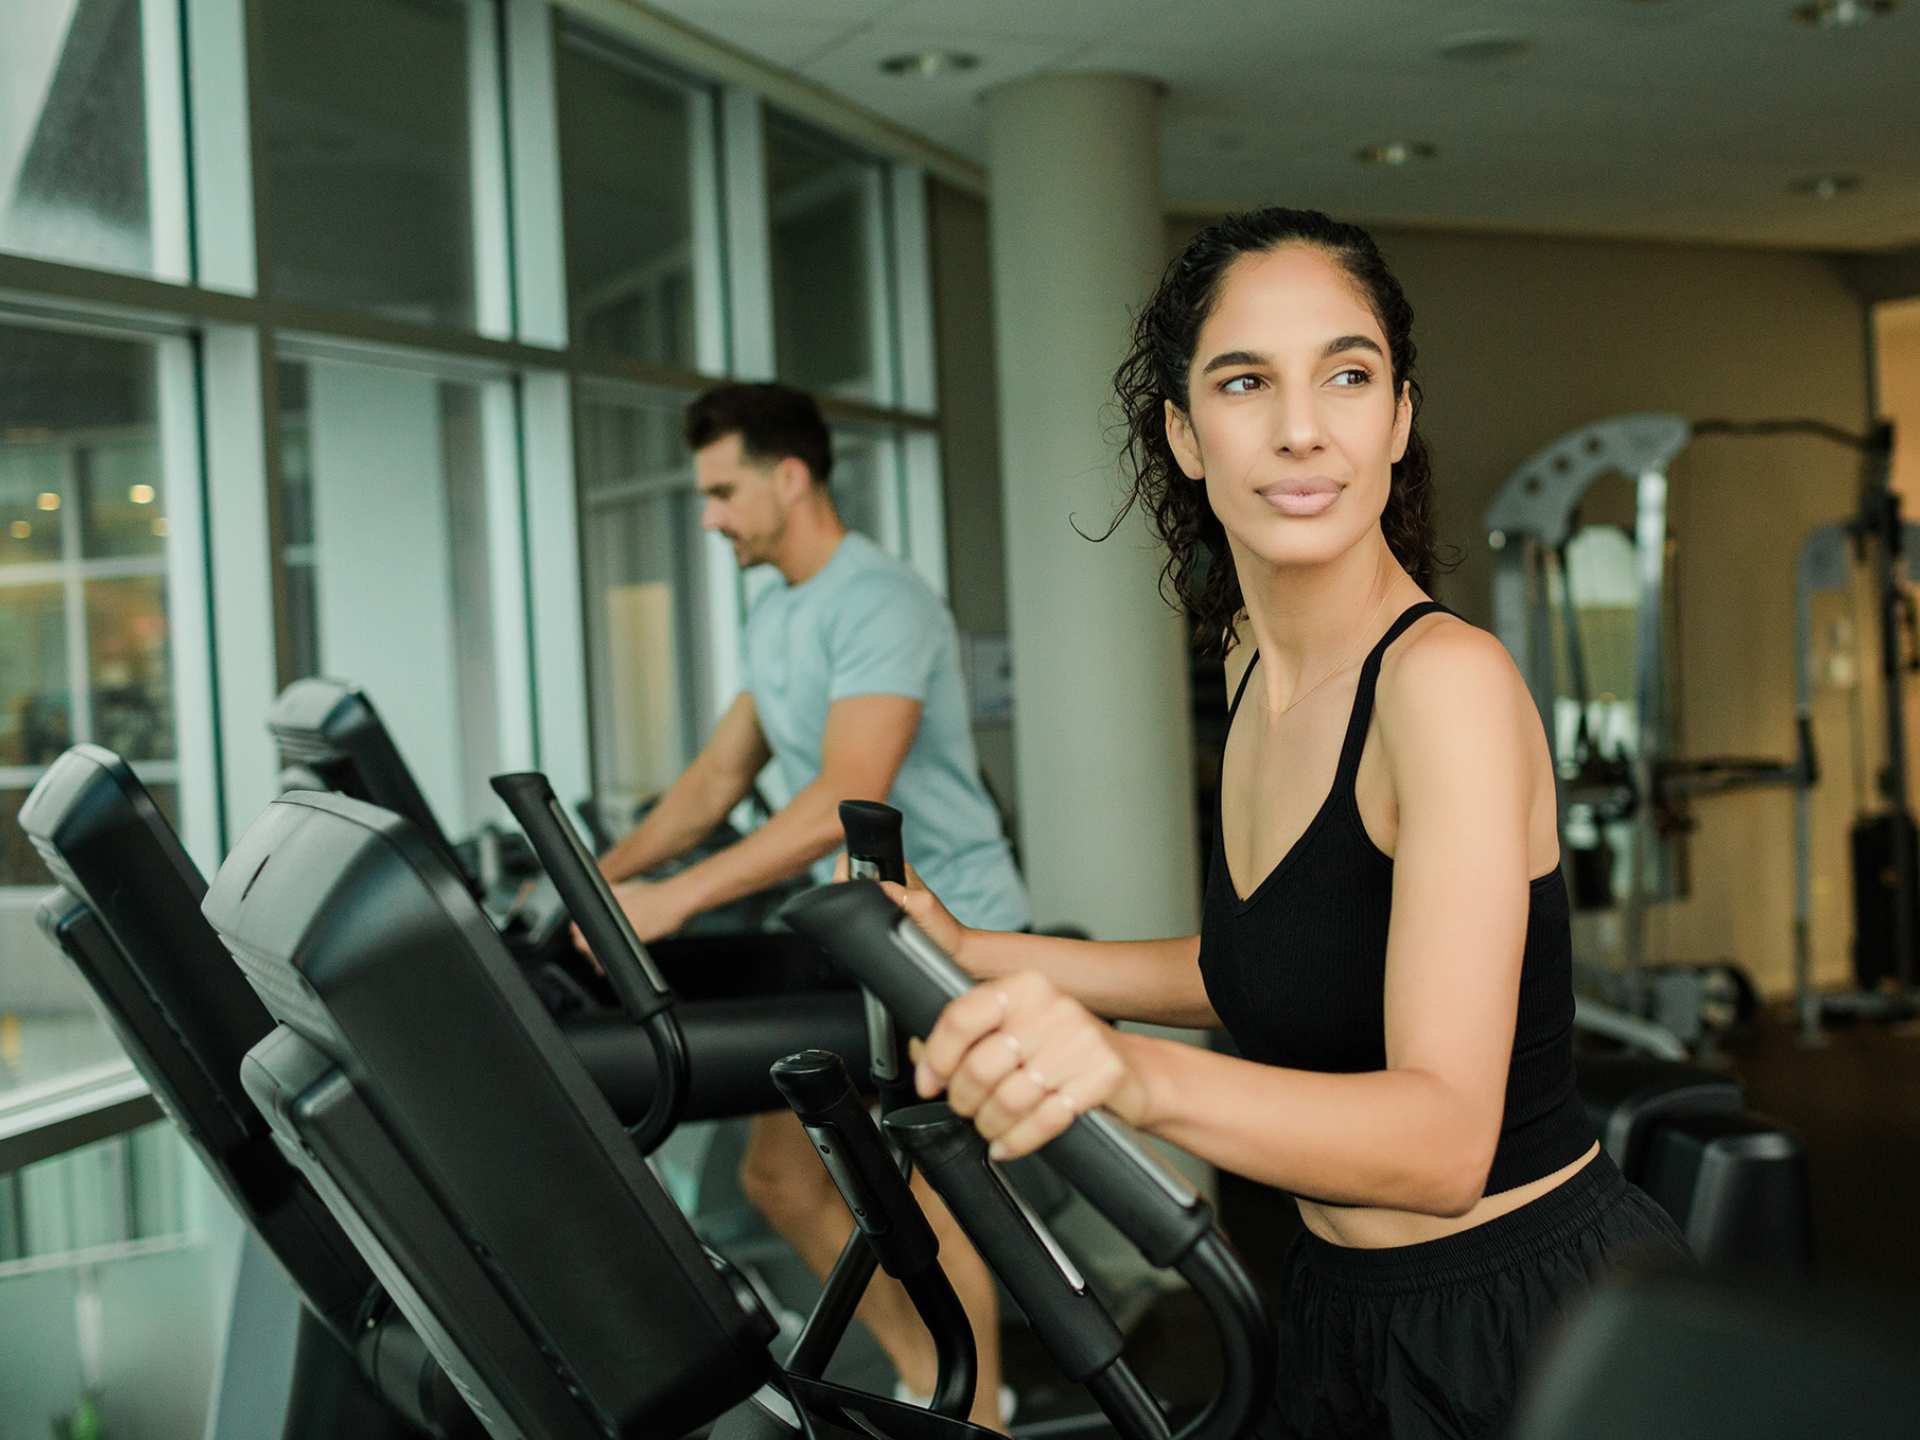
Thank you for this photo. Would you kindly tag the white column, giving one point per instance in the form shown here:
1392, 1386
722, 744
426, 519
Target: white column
1102, 729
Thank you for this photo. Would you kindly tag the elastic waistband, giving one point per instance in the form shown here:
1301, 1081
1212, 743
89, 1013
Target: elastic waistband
1539, 1225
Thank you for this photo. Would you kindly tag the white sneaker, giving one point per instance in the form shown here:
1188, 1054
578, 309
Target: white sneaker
1008, 1400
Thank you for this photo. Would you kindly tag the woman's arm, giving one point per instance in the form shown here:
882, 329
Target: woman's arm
1461, 741
1157, 981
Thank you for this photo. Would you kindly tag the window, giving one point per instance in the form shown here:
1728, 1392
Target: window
825, 209
649, 573
381, 192
84, 515
641, 226
865, 483
91, 159
108, 1290
394, 481
384, 165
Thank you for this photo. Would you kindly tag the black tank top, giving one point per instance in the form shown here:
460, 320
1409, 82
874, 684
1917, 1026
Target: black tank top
1297, 970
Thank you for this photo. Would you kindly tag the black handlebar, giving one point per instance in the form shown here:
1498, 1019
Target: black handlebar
643, 994
817, 1087
874, 851
890, 956
1163, 1217
1067, 1316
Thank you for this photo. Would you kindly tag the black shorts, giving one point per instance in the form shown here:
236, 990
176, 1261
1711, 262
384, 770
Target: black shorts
1421, 1342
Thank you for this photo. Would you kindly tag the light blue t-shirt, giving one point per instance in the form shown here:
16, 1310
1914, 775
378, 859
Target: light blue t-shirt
866, 624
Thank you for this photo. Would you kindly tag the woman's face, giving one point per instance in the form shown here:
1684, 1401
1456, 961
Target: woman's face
1292, 420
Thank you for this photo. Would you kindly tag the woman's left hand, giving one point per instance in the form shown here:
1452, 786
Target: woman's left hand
1022, 1060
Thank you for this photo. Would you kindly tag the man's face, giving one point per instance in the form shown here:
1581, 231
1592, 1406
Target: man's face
740, 500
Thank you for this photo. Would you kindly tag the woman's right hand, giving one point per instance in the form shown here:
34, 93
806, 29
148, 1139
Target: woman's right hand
923, 907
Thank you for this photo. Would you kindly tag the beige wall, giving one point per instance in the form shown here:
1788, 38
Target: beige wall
1522, 339
1896, 347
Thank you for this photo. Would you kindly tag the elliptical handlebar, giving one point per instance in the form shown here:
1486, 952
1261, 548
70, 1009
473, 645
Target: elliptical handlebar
874, 849
875, 852
1168, 1222
643, 993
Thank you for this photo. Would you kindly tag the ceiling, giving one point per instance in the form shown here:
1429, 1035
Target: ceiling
1669, 119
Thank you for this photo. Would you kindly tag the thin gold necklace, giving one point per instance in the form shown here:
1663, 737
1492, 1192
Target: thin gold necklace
1365, 628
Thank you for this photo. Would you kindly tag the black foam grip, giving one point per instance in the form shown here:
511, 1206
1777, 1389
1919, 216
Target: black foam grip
873, 835
816, 1085
1077, 1330
865, 932
854, 924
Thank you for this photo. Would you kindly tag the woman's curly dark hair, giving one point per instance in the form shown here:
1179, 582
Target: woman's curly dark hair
1165, 334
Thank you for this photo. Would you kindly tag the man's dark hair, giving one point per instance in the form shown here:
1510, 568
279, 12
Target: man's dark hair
772, 421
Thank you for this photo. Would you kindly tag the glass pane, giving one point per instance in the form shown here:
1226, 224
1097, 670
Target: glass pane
863, 469
20, 864
69, 403
119, 1312
629, 206
83, 640
36, 721
74, 182
823, 208
392, 588
645, 565
303, 618
127, 666
123, 502
296, 462
32, 503
379, 144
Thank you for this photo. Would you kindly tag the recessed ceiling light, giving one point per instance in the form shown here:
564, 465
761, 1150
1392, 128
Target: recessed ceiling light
48, 500
1395, 152
1485, 47
1826, 187
927, 64
1841, 14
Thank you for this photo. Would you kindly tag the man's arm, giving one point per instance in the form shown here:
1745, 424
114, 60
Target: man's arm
867, 739
719, 778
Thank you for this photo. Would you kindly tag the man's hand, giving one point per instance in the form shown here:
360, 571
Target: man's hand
653, 909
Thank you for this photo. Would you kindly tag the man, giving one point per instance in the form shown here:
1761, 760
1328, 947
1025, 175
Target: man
854, 693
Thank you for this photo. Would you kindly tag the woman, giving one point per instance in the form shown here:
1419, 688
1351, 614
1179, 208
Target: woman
1385, 929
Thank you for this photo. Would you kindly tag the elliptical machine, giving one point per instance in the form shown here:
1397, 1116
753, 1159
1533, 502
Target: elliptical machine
439, 1113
